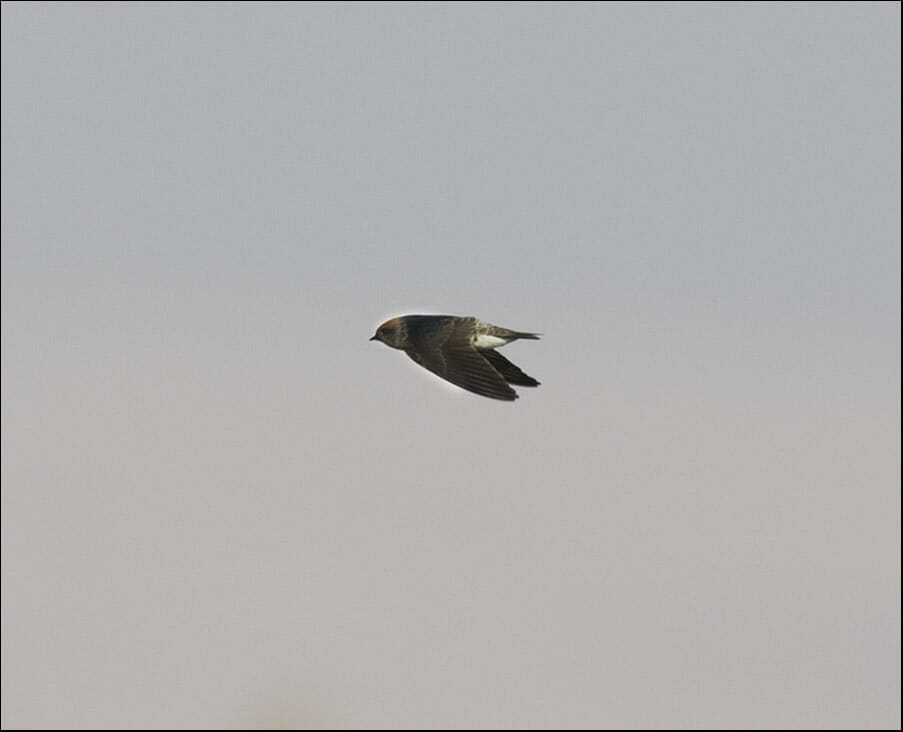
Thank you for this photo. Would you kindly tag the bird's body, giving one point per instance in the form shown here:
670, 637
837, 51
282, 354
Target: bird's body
459, 350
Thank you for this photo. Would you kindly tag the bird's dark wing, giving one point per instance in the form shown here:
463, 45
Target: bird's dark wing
509, 372
447, 351
466, 368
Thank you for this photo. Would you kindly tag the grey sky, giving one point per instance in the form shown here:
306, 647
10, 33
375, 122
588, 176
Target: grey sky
223, 506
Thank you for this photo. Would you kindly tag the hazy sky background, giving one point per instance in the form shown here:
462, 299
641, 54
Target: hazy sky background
223, 506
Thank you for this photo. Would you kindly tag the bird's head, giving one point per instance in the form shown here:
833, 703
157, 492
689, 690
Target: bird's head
393, 333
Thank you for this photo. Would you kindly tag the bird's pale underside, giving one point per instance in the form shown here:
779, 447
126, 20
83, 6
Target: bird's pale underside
459, 350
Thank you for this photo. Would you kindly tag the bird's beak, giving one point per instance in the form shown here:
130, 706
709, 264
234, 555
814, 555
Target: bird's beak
375, 338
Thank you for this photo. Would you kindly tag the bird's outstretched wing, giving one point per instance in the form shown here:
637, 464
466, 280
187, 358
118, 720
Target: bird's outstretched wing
509, 372
454, 358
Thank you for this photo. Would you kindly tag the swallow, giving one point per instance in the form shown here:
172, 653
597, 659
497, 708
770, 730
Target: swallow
459, 350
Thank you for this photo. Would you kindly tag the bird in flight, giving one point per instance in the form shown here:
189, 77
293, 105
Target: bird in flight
459, 350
